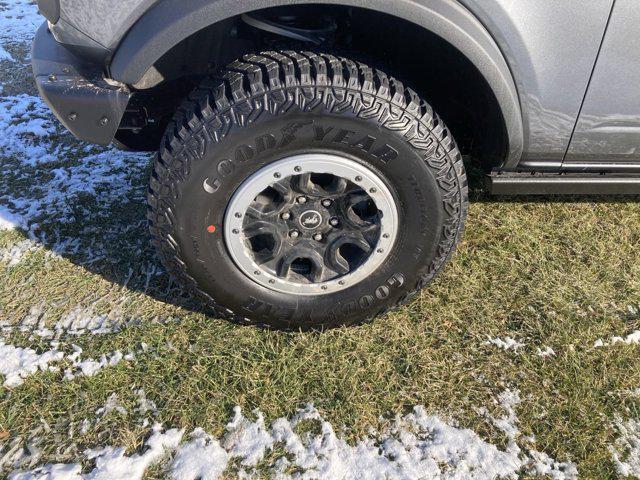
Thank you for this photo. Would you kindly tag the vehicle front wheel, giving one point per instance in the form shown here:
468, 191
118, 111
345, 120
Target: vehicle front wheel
303, 190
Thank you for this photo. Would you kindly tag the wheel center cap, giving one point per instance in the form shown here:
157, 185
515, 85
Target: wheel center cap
310, 219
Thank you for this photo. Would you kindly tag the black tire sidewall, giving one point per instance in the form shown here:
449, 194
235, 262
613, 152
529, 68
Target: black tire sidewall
226, 164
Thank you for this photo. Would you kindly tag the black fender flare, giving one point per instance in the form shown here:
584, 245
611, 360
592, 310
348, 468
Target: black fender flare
170, 21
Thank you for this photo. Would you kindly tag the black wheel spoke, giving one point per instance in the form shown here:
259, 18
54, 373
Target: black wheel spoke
301, 262
283, 186
337, 261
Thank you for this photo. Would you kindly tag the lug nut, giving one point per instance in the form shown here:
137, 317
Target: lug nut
317, 237
302, 199
294, 234
334, 222
326, 202
285, 216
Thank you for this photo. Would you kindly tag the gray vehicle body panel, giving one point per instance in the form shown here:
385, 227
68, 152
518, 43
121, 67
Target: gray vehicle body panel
107, 21
551, 47
609, 123
537, 55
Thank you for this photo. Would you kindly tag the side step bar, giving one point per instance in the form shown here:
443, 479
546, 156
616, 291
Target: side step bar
508, 183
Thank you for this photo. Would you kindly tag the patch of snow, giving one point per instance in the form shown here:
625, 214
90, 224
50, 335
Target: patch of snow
4, 55
625, 452
27, 129
635, 392
631, 339
14, 254
247, 440
18, 363
90, 367
9, 220
31, 138
416, 445
112, 463
546, 352
76, 322
50, 472
507, 343
81, 320
144, 404
19, 21
201, 458
35, 322
112, 405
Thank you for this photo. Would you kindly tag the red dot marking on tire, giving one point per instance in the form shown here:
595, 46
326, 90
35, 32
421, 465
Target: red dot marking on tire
211, 229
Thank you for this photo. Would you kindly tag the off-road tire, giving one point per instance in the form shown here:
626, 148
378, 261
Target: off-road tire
273, 92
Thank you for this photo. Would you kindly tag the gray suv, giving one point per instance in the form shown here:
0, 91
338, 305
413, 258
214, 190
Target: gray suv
310, 155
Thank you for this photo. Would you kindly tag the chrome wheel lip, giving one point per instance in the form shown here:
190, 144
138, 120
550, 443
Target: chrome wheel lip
298, 165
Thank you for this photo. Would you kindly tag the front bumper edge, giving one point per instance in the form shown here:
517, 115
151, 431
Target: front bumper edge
76, 91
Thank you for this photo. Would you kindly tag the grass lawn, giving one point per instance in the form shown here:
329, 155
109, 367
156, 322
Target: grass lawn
547, 273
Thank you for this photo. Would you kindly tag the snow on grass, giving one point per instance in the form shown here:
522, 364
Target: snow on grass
82, 320
28, 128
145, 406
19, 21
625, 452
416, 445
90, 367
8, 219
13, 255
631, 339
111, 405
16, 363
65, 170
105, 176
4, 55
111, 463
507, 343
78, 321
203, 457
545, 352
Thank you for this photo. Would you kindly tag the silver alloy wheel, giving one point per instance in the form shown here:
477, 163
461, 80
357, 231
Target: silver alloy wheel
311, 224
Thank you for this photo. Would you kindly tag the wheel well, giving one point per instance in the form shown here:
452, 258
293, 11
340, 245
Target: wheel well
433, 67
